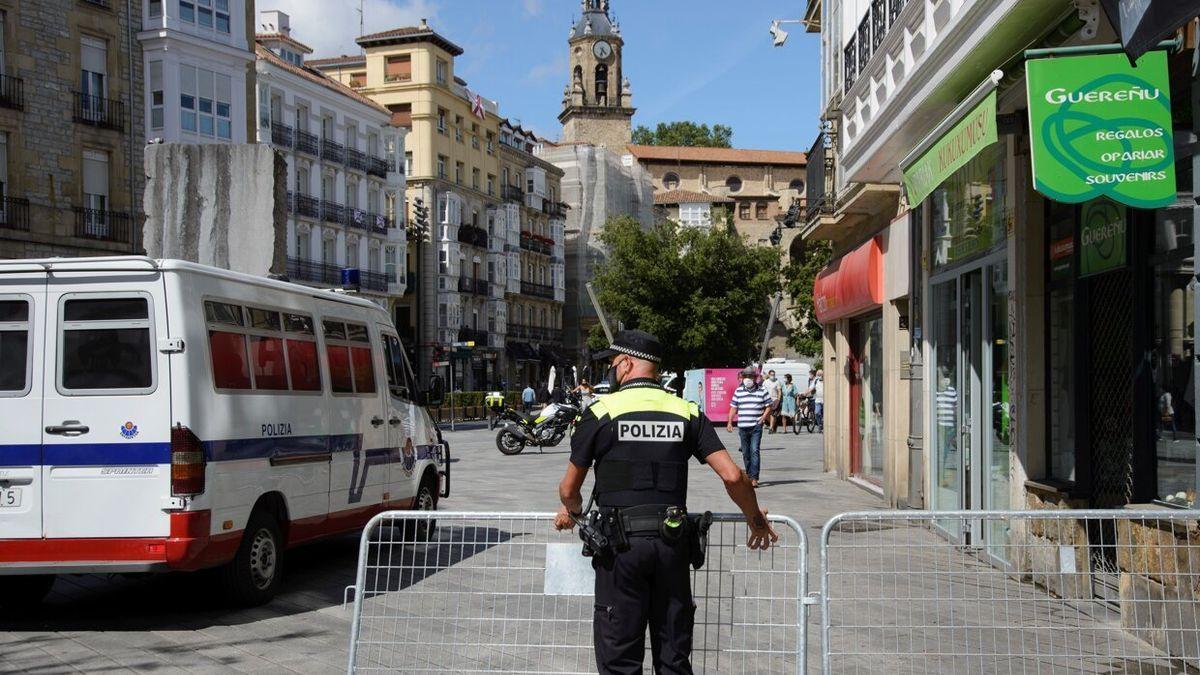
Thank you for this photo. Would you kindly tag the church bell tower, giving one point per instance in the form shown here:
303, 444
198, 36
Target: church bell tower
598, 101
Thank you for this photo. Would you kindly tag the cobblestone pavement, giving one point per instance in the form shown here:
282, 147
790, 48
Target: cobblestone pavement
170, 623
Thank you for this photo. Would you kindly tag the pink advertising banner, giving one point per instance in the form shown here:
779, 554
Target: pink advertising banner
719, 385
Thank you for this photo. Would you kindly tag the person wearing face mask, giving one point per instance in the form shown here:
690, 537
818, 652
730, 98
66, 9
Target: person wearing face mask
750, 407
641, 438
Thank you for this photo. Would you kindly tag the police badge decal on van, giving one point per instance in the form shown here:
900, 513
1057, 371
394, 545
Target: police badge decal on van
129, 430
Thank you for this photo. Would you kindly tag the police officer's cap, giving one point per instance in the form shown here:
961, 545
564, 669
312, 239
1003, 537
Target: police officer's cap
636, 343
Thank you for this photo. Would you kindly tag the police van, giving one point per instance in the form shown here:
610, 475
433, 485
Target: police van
160, 415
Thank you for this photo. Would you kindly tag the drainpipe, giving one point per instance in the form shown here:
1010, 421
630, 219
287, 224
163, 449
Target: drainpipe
135, 245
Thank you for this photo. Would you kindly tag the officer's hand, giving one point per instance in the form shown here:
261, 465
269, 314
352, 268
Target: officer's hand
564, 521
762, 535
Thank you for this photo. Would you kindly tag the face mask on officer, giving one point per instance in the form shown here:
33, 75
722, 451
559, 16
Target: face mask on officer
615, 370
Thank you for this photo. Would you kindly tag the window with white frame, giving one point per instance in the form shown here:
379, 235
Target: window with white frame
389, 264
408, 161
373, 199
303, 245
441, 71
303, 186
156, 95
328, 252
95, 193
441, 123
209, 14
373, 144
205, 102
351, 137
695, 214
352, 193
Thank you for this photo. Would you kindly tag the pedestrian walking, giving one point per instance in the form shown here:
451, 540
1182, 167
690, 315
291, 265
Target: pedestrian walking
640, 438
750, 407
787, 408
527, 397
775, 391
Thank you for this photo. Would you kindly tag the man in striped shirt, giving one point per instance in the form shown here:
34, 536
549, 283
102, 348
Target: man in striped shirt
751, 404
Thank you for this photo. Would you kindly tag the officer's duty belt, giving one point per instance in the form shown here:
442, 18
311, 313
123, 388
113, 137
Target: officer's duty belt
646, 519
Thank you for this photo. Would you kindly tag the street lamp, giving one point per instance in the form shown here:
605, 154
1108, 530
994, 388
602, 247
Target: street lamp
778, 35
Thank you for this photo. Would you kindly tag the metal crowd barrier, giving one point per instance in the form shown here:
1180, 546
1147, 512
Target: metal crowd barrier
506, 593
1011, 592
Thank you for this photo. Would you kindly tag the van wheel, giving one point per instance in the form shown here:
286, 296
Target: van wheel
421, 531
24, 591
252, 577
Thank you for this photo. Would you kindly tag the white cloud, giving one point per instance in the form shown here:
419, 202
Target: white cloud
533, 7
331, 26
556, 67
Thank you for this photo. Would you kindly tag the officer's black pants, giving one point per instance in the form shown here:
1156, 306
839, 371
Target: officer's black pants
649, 583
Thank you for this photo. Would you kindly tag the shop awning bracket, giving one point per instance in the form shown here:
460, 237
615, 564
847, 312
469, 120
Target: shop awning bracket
1081, 50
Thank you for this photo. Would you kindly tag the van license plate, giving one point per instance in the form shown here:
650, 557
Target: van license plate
10, 498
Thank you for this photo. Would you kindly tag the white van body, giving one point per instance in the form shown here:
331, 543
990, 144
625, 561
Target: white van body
261, 396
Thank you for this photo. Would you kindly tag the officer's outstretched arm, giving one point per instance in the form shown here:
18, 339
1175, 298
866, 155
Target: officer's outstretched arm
570, 495
737, 484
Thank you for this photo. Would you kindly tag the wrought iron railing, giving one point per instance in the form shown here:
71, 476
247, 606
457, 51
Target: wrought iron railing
332, 212
356, 160
819, 175
301, 269
281, 135
14, 213
377, 166
304, 205
12, 92
474, 236
894, 9
331, 151
373, 281
538, 290
879, 22
307, 143
103, 225
849, 64
97, 111
513, 193
472, 285
530, 243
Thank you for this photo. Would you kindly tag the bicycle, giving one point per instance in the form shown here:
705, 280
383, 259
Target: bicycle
806, 415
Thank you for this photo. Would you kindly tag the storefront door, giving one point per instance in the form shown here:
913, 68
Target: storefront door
970, 410
866, 398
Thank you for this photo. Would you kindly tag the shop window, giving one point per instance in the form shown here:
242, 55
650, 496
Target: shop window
968, 215
1173, 356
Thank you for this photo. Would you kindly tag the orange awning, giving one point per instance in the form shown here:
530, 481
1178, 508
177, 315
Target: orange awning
851, 284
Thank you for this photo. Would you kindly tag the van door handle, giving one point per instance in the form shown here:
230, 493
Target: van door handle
376, 421
68, 428
395, 421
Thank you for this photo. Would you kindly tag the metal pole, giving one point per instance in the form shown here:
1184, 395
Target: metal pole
1078, 50
762, 354
452, 389
599, 312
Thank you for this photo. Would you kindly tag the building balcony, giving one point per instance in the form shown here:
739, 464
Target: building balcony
103, 225
377, 166
516, 330
307, 143
301, 269
554, 209
331, 151
12, 92
304, 205
472, 285
281, 135
820, 196
14, 213
479, 337
356, 160
512, 193
537, 290
473, 236
373, 281
535, 244
105, 113
332, 212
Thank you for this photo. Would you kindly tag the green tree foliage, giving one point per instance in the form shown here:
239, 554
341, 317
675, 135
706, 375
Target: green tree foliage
685, 133
703, 292
798, 277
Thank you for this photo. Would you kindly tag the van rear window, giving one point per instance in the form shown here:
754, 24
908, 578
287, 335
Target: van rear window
106, 344
14, 345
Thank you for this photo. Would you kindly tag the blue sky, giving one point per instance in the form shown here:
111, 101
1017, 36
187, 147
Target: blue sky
708, 61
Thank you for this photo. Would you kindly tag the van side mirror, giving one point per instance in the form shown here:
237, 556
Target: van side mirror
436, 394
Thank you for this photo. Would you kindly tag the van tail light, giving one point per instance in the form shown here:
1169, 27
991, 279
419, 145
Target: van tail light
187, 462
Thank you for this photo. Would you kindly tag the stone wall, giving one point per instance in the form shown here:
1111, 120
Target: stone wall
221, 205
1160, 584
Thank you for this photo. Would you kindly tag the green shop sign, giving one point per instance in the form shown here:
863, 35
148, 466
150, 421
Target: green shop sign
1102, 237
1102, 128
974, 131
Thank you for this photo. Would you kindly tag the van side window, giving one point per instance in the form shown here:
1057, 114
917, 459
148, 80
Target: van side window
348, 348
301, 343
106, 344
230, 364
399, 383
261, 349
14, 345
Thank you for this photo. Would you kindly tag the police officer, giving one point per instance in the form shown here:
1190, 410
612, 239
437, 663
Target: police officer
640, 438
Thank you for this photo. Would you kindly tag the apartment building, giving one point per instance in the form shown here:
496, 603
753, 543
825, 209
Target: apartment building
453, 167
531, 189
70, 133
198, 56
346, 224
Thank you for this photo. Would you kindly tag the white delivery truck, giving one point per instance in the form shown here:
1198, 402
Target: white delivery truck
160, 415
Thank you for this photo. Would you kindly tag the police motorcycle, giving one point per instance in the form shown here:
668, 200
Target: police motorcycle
544, 429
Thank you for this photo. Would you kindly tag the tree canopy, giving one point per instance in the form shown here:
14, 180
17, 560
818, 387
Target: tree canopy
799, 277
685, 133
703, 292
